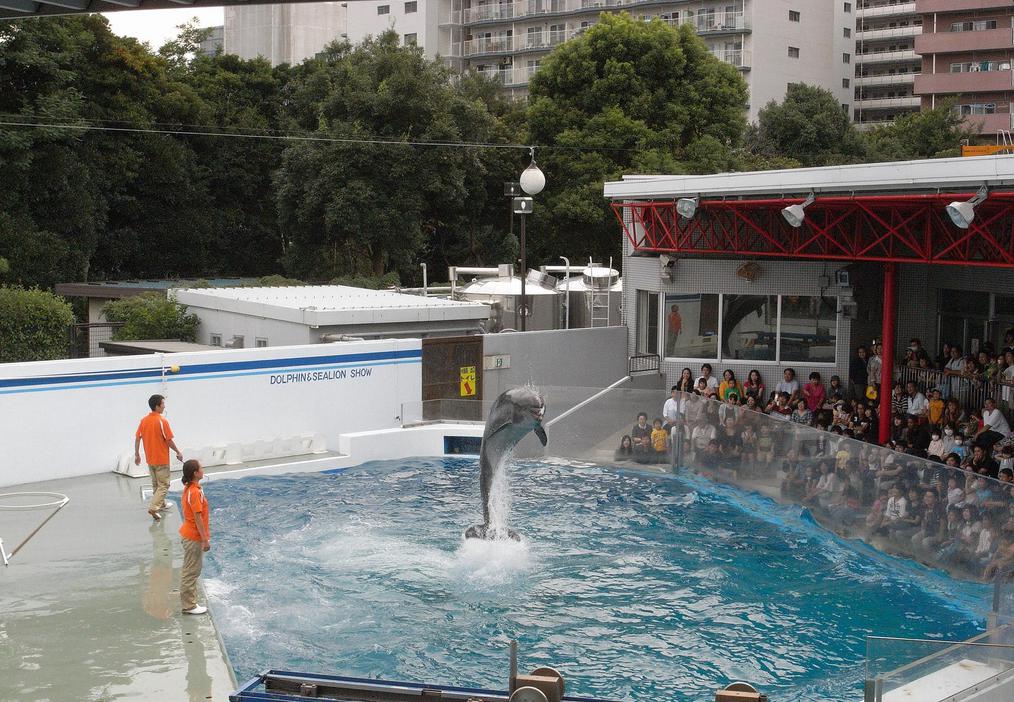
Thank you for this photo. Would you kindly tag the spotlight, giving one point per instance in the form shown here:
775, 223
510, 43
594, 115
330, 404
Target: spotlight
795, 214
962, 213
686, 207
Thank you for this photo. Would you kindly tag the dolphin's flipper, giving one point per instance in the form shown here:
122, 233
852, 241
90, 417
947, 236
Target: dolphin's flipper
499, 428
541, 433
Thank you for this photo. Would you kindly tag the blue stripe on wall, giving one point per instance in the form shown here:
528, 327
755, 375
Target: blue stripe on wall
258, 367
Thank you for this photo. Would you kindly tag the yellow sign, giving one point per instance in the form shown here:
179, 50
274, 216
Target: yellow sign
986, 150
467, 381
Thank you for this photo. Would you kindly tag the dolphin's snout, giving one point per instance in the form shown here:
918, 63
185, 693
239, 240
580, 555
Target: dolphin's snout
538, 412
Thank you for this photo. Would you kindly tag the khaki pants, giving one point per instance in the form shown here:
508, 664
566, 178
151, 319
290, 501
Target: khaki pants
159, 486
193, 560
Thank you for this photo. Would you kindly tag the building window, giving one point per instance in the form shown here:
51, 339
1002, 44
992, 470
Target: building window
411, 7
647, 321
973, 26
691, 326
975, 66
383, 9
809, 329
976, 108
749, 327
793, 52
216, 340
261, 343
793, 16
848, 7
846, 58
845, 82
848, 32
410, 39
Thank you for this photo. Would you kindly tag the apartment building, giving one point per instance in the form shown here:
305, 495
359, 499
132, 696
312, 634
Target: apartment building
886, 61
967, 48
285, 33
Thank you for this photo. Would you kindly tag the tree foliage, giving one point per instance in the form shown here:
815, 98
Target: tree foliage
935, 133
34, 325
151, 316
625, 96
808, 126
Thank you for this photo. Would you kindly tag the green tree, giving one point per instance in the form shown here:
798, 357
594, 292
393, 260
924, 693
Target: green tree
34, 325
624, 96
935, 133
151, 316
808, 126
367, 208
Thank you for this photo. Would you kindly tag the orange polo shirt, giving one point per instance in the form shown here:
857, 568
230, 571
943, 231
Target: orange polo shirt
155, 434
195, 506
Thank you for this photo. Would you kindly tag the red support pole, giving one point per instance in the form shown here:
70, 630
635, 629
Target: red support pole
887, 340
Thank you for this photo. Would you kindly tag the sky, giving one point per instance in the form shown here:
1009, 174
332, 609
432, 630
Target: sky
158, 26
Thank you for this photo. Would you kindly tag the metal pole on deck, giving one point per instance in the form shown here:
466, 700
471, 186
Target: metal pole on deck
887, 342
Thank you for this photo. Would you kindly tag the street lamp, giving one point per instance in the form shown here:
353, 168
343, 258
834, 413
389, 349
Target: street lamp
533, 180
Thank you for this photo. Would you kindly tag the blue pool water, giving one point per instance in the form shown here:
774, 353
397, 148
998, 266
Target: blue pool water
634, 586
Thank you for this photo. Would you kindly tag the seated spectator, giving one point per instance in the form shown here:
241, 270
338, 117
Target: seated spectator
916, 403
1002, 561
729, 409
918, 436
729, 386
749, 437
899, 400
982, 463
994, 426
765, 446
686, 381
801, 415
986, 546
814, 393
709, 458
710, 381
895, 510
779, 407
962, 548
640, 435
905, 527
959, 449
931, 528
899, 429
701, 436
936, 407
625, 451
951, 533
754, 387
953, 414
789, 385
936, 446
877, 510
835, 392
955, 494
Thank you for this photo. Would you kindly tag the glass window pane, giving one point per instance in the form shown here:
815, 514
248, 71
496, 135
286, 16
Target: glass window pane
691, 326
647, 322
749, 327
809, 328
964, 303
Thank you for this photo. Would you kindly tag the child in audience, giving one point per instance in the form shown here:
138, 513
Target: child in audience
659, 440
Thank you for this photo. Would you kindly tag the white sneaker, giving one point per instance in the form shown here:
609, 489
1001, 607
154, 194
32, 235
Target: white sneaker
197, 609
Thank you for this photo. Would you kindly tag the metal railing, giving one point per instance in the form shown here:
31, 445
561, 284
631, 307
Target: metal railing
85, 338
970, 391
643, 363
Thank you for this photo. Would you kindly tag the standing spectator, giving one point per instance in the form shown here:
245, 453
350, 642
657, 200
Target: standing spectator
915, 346
917, 404
710, 381
936, 407
157, 437
874, 370
994, 425
1006, 378
814, 393
954, 369
789, 385
858, 374
673, 330
671, 409
659, 440
754, 386
729, 386
944, 358
195, 535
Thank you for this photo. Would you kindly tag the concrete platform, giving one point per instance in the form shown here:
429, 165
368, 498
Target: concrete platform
90, 610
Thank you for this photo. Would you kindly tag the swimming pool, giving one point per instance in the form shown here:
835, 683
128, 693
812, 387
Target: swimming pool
635, 586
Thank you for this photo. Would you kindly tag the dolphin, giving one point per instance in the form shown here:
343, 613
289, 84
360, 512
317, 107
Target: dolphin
514, 414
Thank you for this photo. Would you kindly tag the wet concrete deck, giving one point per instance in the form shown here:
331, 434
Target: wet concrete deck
89, 608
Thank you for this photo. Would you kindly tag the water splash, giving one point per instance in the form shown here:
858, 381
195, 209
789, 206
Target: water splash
500, 499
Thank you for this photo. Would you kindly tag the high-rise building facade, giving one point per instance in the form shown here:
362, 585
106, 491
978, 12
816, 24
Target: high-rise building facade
886, 61
772, 42
967, 48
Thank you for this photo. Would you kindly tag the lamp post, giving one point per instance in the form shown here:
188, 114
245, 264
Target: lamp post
532, 180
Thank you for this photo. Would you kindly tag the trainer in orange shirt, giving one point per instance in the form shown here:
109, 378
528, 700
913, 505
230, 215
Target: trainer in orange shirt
194, 534
157, 437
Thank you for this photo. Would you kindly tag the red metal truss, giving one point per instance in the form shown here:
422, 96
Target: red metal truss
887, 228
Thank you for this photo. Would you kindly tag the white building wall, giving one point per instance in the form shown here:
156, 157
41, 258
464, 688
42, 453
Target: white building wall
287, 33
216, 398
230, 324
819, 36
364, 19
719, 276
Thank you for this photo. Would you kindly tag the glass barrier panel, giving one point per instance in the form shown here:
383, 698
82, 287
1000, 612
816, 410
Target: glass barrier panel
932, 671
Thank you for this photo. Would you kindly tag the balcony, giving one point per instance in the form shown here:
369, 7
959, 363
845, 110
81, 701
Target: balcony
965, 83
930, 6
869, 35
736, 57
485, 13
964, 42
453, 17
877, 57
888, 103
904, 8
511, 77
893, 79
488, 45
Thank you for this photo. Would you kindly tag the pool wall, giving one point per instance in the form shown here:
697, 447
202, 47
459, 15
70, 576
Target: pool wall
214, 398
